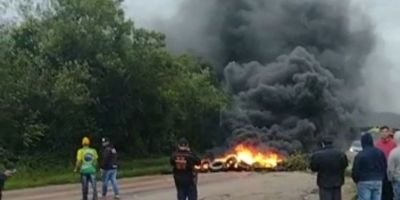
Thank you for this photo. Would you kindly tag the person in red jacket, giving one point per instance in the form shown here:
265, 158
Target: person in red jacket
386, 144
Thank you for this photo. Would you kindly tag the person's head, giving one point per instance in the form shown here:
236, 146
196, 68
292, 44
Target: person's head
85, 141
183, 144
385, 132
327, 141
366, 140
105, 141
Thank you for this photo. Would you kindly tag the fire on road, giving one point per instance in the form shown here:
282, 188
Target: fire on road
242, 157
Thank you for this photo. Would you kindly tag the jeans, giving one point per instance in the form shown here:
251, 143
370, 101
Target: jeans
187, 192
110, 176
369, 190
387, 190
330, 193
396, 190
85, 180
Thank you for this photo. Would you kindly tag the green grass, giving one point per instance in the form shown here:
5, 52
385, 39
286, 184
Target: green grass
28, 177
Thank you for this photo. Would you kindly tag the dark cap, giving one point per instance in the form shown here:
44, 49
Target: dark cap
183, 142
327, 139
105, 139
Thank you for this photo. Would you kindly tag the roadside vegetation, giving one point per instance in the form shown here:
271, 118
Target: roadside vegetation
61, 173
72, 68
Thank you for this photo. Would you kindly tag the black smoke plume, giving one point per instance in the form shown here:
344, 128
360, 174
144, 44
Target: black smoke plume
292, 66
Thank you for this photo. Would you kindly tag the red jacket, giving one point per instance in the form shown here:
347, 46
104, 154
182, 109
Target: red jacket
386, 146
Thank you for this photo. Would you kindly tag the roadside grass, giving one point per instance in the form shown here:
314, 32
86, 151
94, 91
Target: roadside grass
29, 177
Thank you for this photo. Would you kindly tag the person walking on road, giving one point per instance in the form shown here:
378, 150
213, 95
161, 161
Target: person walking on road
109, 168
86, 162
393, 171
386, 144
183, 162
330, 164
369, 170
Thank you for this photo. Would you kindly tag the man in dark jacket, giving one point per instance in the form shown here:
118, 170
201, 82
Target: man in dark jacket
3, 176
330, 164
109, 168
369, 170
183, 162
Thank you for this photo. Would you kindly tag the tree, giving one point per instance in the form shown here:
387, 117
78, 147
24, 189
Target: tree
80, 68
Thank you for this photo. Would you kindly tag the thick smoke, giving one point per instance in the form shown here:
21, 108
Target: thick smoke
293, 66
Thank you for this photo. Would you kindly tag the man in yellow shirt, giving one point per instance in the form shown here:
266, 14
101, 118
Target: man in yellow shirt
86, 162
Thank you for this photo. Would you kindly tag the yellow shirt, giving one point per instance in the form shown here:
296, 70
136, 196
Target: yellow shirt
87, 157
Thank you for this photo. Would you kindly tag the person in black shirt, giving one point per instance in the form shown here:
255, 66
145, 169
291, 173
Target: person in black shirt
330, 164
183, 162
109, 167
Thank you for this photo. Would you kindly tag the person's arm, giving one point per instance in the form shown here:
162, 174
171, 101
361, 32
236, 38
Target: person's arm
78, 161
355, 170
172, 160
196, 159
345, 161
96, 159
314, 165
390, 165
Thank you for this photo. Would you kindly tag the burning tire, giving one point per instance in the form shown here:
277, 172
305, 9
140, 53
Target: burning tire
242, 166
217, 166
231, 163
258, 167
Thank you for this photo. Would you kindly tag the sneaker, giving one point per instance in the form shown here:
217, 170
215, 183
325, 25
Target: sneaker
117, 197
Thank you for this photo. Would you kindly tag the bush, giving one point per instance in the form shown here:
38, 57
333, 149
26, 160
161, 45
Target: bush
296, 162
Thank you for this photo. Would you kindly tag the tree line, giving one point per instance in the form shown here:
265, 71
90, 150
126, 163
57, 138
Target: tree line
82, 68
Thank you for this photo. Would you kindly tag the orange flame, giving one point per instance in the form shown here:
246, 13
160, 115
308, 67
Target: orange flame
243, 157
251, 155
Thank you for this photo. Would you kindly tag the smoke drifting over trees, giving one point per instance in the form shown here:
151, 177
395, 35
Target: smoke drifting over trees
291, 66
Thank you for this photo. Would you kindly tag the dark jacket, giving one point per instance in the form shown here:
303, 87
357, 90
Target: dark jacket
330, 164
369, 164
110, 156
183, 163
2, 180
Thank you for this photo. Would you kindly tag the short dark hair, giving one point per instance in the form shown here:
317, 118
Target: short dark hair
383, 127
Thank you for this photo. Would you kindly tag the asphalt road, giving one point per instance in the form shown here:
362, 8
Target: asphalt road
212, 186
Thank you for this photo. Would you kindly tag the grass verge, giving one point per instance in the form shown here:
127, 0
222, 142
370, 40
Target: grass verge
28, 178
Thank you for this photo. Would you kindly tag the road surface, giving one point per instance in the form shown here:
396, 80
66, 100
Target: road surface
212, 186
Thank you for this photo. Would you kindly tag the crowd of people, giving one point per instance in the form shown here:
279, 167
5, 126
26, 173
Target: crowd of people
183, 161
375, 170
